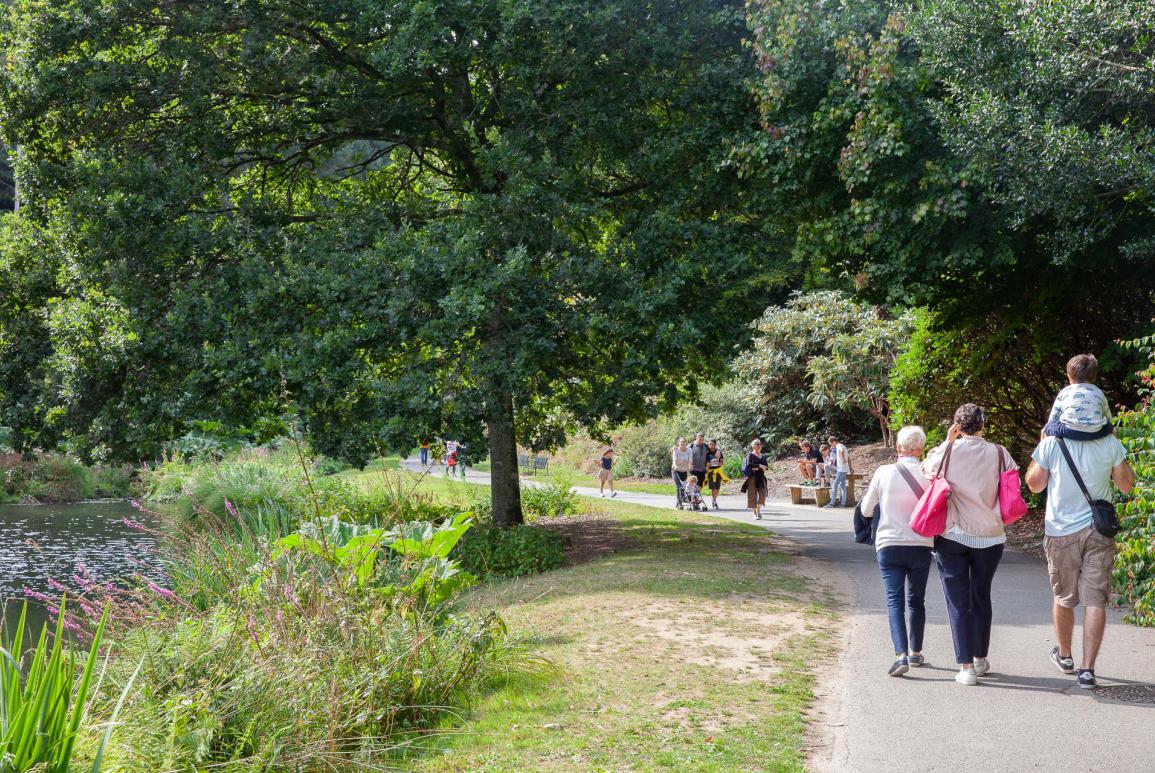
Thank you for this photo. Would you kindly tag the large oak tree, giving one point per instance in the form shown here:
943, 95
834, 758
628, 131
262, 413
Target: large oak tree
484, 219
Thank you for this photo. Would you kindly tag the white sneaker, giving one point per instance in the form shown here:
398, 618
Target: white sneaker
967, 676
982, 666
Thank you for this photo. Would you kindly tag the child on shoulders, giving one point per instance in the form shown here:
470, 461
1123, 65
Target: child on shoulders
1081, 410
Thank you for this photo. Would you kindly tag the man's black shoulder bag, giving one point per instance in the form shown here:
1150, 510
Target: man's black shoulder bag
1102, 511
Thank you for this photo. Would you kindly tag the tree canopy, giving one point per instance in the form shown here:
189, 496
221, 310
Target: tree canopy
483, 220
819, 355
981, 160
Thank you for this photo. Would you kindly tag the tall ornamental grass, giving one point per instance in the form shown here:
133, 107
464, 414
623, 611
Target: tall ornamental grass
332, 648
269, 495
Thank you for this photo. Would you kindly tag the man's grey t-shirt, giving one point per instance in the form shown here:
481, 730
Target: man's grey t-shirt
1067, 509
698, 455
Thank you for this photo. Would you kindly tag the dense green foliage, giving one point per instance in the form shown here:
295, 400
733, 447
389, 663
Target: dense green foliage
411, 220
554, 499
265, 492
1053, 105
996, 367
820, 361
1134, 575
54, 478
488, 551
976, 160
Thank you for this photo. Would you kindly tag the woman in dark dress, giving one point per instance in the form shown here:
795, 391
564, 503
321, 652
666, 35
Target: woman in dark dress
755, 485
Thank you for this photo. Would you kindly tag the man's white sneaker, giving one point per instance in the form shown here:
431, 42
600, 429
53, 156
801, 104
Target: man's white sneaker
982, 666
967, 677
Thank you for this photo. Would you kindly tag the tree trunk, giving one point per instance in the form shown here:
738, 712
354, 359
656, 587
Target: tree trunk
505, 488
884, 425
880, 409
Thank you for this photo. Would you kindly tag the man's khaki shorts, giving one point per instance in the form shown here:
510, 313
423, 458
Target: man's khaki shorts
1080, 567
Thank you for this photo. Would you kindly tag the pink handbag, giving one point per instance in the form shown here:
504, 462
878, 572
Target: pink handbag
929, 518
1011, 504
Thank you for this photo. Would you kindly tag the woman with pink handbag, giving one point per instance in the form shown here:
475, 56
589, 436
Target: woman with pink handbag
971, 545
904, 557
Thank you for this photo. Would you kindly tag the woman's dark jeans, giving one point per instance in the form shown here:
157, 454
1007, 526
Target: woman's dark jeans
967, 574
905, 569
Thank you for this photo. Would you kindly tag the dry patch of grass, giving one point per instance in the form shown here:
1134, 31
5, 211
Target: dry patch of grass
692, 651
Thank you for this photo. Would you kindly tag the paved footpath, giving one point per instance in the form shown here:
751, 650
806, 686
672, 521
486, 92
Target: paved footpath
1024, 716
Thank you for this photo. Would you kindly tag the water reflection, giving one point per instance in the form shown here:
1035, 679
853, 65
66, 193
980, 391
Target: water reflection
41, 543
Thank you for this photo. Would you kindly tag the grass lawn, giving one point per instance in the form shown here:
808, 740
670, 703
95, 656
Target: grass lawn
692, 648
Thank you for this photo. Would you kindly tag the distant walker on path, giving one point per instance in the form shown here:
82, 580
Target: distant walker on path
714, 474
755, 484
606, 472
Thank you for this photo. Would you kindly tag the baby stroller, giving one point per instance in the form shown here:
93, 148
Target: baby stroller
689, 497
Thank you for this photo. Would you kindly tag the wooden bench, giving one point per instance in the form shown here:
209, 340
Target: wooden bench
850, 479
819, 495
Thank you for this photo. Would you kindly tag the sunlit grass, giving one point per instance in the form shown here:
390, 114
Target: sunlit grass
694, 650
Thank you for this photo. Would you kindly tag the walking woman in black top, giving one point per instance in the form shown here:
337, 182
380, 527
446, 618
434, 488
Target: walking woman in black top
755, 485
714, 475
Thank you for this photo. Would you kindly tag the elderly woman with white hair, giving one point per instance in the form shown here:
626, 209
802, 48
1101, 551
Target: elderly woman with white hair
903, 556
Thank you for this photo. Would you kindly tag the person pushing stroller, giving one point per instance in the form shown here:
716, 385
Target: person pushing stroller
680, 462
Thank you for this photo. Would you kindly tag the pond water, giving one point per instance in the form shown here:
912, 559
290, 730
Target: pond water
43, 542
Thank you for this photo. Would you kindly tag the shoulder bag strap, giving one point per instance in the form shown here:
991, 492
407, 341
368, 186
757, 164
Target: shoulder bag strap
945, 461
917, 489
1075, 471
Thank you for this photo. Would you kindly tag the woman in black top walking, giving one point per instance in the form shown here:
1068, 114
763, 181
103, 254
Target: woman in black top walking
606, 473
714, 460
755, 485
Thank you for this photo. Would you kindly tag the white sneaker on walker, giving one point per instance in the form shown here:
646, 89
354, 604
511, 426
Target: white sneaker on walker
982, 666
967, 676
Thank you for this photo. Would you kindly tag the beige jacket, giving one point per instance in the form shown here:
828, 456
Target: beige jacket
973, 474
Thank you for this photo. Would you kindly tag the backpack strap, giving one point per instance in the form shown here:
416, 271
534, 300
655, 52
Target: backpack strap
914, 485
1075, 471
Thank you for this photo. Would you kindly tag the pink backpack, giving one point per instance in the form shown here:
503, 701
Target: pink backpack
1011, 504
929, 518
